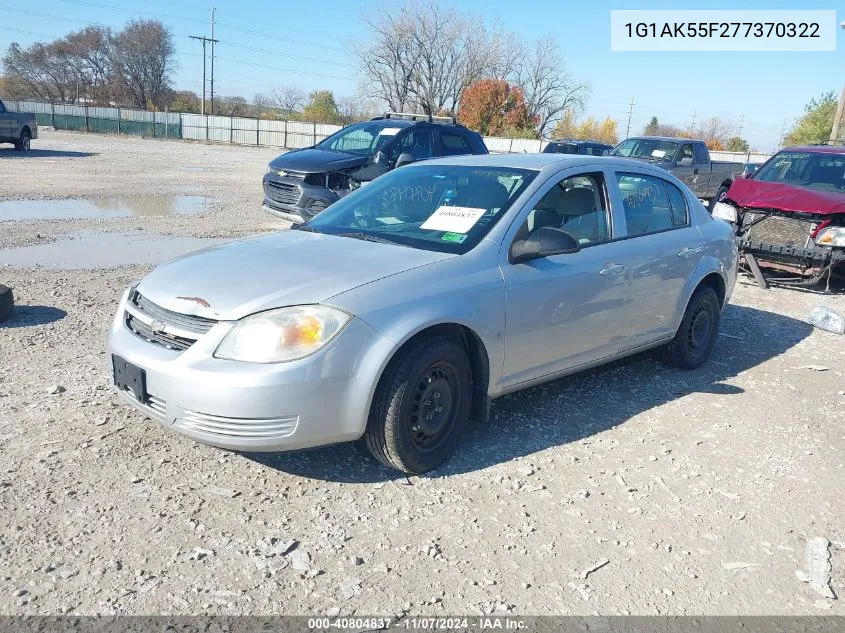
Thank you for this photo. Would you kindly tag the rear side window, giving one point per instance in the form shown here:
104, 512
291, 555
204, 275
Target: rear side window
648, 209
454, 144
701, 155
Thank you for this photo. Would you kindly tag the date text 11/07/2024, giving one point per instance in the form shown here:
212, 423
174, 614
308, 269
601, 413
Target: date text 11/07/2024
460, 623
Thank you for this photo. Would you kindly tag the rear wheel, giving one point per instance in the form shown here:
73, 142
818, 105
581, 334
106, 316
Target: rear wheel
720, 196
697, 334
24, 142
421, 406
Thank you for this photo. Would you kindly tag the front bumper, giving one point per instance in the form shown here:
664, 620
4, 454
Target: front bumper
321, 399
295, 200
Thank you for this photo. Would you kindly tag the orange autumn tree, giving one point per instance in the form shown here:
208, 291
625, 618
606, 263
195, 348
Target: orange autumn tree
494, 107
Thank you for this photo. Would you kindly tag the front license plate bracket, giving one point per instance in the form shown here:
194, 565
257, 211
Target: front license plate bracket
128, 377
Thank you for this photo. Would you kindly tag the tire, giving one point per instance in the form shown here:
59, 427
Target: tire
23, 144
7, 302
421, 406
721, 193
697, 333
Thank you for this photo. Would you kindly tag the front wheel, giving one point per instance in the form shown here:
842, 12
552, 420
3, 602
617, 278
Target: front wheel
697, 333
23, 143
720, 196
421, 406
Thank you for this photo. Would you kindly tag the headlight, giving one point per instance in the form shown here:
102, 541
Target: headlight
724, 212
270, 169
281, 335
831, 236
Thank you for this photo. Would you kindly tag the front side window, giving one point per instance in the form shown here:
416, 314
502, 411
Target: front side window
454, 144
652, 149
361, 139
416, 142
646, 201
576, 205
447, 208
686, 152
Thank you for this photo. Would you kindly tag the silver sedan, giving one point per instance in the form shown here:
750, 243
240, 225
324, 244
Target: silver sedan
400, 312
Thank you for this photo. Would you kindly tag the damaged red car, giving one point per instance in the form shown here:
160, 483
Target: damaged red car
790, 216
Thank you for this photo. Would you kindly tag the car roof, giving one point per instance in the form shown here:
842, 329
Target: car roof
536, 162
580, 141
819, 149
673, 139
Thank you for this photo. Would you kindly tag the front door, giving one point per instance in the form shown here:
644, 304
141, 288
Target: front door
5, 124
663, 249
565, 310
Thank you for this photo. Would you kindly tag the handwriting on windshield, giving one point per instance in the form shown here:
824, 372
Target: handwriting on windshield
394, 196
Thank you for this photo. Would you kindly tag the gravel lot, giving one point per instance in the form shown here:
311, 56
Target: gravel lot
698, 489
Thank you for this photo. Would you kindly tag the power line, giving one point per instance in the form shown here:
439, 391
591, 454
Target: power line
277, 54
135, 11
287, 70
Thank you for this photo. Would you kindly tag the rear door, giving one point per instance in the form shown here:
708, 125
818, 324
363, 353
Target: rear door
663, 247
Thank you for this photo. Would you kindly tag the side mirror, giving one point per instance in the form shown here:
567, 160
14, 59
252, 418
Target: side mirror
404, 159
686, 161
543, 242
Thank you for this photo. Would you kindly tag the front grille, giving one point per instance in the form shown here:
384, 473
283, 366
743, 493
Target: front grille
158, 405
163, 324
779, 231
283, 192
170, 341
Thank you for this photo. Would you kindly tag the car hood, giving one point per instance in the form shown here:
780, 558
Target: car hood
313, 160
232, 280
756, 194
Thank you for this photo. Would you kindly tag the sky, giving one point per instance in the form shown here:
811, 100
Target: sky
267, 43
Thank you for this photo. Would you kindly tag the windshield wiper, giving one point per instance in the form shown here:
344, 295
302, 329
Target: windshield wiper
366, 237
304, 227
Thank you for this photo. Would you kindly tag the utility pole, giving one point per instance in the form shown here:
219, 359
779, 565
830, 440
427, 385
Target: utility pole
204, 40
212, 60
782, 133
630, 111
692, 124
741, 125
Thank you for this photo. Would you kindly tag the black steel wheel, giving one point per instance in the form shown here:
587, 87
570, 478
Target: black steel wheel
24, 143
698, 331
421, 405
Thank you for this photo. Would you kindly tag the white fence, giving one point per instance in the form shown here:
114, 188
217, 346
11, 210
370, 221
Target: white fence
245, 131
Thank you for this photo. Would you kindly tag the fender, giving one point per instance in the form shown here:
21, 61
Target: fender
707, 265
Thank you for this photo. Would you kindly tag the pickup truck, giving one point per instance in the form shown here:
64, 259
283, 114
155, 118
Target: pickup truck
18, 128
688, 160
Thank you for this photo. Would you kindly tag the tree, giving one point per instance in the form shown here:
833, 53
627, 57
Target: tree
492, 106
566, 126
142, 57
288, 99
426, 55
736, 144
185, 101
607, 133
714, 132
549, 91
651, 128
588, 129
816, 125
321, 108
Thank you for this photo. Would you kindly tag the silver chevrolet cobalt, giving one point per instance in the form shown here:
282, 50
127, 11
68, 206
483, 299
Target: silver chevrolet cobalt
400, 312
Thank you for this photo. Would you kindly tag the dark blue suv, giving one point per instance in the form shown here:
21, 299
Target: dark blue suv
303, 182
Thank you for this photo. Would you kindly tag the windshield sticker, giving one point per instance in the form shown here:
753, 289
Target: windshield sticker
389, 220
453, 237
390, 131
659, 153
453, 219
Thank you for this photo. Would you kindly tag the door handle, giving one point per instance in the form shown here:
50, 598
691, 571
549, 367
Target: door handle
612, 270
686, 251
695, 171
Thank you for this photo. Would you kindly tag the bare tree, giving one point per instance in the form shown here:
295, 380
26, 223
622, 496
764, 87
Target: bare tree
549, 90
288, 99
714, 129
41, 69
142, 57
388, 56
262, 103
87, 50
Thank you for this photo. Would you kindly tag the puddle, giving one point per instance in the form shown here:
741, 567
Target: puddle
87, 208
90, 249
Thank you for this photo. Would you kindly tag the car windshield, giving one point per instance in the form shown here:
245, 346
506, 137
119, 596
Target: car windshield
447, 208
362, 139
652, 149
816, 170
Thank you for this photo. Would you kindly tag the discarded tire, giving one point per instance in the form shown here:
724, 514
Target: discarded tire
7, 302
